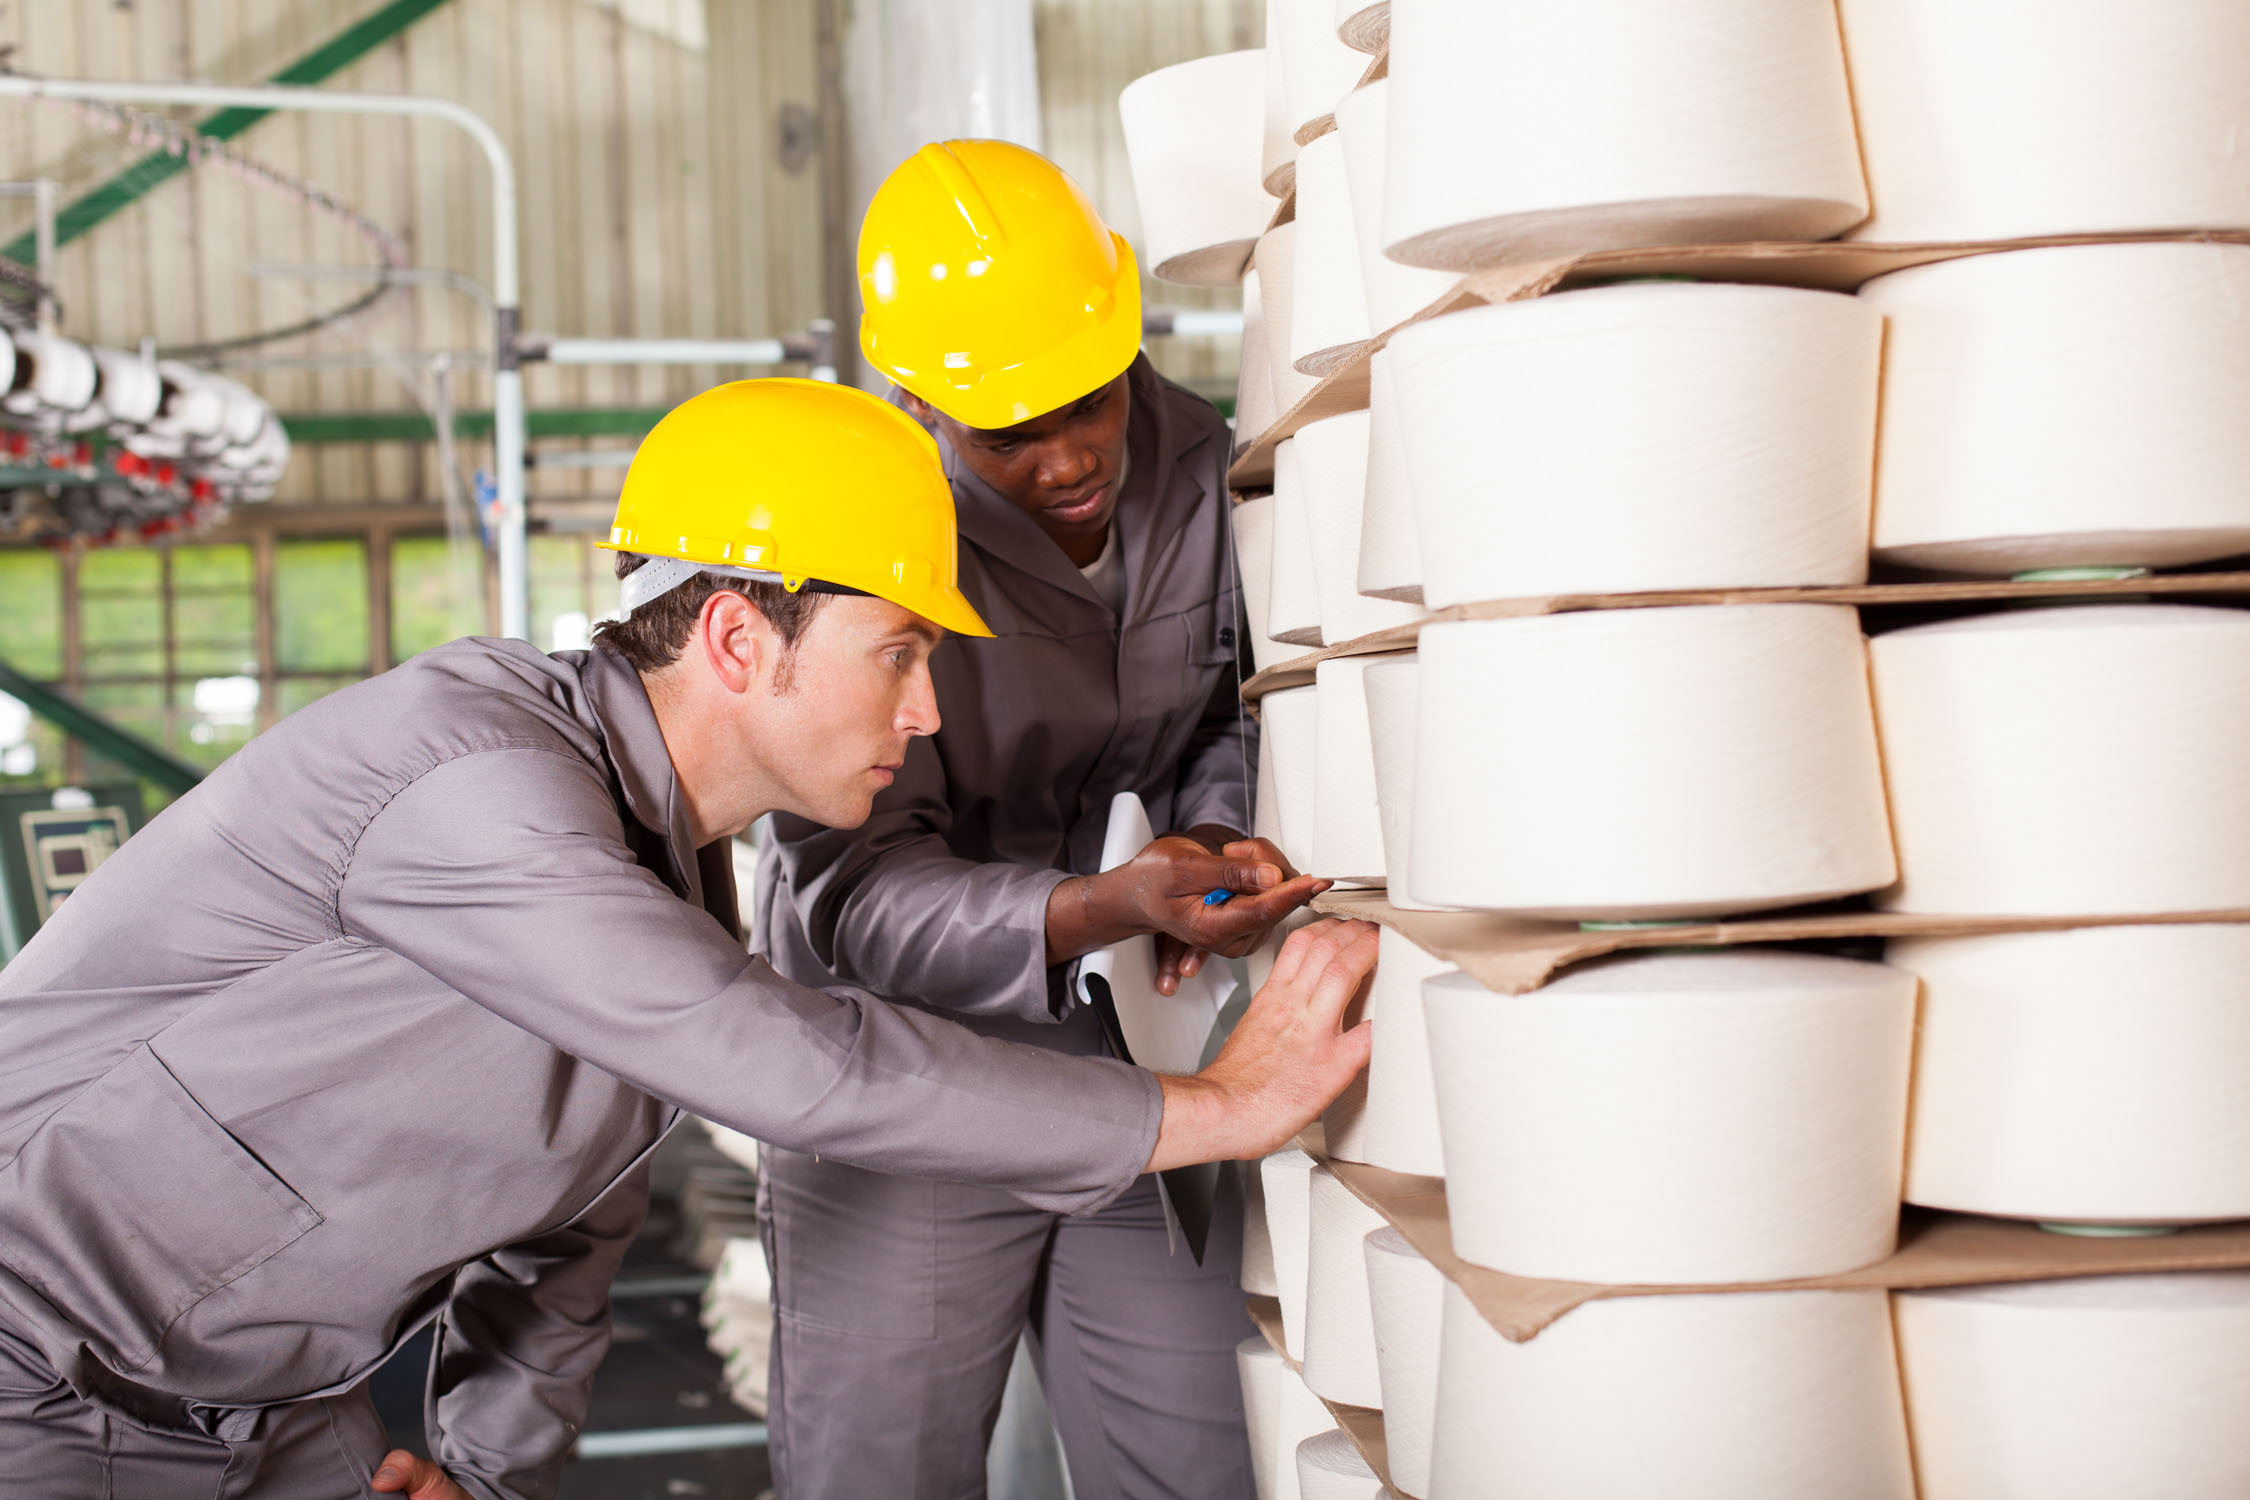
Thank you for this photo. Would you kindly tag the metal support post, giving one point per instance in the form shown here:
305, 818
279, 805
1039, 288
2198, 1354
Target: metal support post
507, 380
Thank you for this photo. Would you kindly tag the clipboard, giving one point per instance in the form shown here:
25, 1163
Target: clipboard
1164, 1033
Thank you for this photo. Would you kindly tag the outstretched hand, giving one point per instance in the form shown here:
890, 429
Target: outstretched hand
402, 1473
1163, 890
1288, 1058
1188, 930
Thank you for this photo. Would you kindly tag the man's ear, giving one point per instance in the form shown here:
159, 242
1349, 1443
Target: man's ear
737, 641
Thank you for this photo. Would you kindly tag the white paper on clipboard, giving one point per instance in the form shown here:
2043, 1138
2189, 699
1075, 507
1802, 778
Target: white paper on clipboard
1166, 1033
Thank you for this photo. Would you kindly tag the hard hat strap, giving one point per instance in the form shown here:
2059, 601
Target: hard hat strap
658, 576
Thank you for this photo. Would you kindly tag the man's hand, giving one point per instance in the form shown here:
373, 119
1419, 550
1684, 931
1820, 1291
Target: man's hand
1161, 890
401, 1473
1287, 1059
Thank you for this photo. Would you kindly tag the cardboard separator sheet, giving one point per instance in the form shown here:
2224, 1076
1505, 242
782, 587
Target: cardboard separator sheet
1379, 68
1934, 1249
1826, 265
1363, 1425
1299, 670
1515, 955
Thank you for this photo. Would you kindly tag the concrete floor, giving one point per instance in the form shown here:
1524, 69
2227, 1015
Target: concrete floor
659, 1384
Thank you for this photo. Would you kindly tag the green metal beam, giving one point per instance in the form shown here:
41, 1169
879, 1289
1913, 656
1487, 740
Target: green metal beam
151, 761
415, 427
159, 167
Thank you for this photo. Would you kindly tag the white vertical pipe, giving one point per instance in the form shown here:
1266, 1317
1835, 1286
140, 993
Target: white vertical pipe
507, 392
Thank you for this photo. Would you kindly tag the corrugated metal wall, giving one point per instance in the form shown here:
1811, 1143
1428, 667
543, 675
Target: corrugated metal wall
659, 196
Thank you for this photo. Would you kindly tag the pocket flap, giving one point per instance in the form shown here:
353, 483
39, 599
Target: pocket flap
131, 1204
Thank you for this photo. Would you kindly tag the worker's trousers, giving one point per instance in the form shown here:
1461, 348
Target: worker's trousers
899, 1302
55, 1446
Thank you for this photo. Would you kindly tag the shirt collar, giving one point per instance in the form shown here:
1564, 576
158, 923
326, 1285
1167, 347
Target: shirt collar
634, 743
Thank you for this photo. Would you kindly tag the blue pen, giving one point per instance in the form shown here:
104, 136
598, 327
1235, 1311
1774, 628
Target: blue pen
1218, 897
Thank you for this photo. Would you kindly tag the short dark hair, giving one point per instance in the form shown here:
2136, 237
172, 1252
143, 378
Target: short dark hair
658, 631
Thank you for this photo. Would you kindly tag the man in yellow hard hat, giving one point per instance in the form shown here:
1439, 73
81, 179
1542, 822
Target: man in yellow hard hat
1094, 523
378, 1026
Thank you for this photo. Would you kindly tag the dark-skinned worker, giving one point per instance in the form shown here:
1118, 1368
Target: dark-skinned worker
1095, 541
378, 1025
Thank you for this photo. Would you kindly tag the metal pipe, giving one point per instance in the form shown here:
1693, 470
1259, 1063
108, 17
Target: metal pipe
43, 241
661, 351
596, 458
1191, 322
507, 379
41, 192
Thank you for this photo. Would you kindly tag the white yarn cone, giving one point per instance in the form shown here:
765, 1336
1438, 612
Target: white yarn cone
1676, 1119
1329, 1467
2068, 761
1535, 789
2085, 1389
1288, 1184
2096, 1076
1293, 583
1339, 1325
1521, 130
1395, 292
1331, 466
1194, 136
1277, 151
1406, 1296
1392, 711
1347, 830
1281, 1414
1276, 262
1253, 555
1257, 1246
1331, 301
1289, 721
1394, 1121
1662, 436
2065, 408
1265, 813
1254, 410
1390, 545
2126, 114
1731, 1396
1318, 68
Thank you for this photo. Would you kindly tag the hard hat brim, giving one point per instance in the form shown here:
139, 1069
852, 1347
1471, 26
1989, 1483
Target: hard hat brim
949, 608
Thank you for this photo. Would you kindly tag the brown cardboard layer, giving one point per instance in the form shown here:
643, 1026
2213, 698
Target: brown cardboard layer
1298, 671
1825, 265
1379, 67
1265, 1312
1362, 1425
1515, 955
1368, 30
1365, 1428
1934, 1250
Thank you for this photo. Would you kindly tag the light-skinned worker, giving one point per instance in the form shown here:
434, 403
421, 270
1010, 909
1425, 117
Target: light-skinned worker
1095, 541
378, 1026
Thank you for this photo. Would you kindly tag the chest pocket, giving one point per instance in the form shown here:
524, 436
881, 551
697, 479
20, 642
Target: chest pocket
130, 1205
1213, 632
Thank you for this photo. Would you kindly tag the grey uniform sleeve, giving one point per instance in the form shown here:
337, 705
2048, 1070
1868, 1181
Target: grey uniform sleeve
504, 874
517, 1348
889, 905
1221, 760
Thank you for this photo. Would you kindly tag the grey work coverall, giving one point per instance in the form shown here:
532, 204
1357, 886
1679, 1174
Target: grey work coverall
899, 1300
376, 1026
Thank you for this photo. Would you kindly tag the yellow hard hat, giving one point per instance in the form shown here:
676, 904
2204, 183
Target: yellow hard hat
796, 482
992, 289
